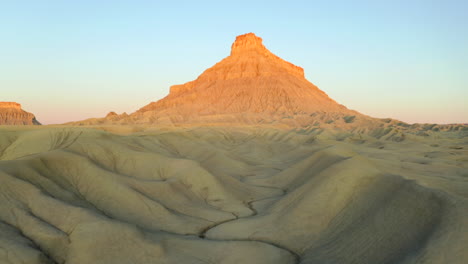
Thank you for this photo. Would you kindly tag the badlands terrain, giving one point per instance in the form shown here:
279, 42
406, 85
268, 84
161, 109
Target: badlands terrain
249, 163
128, 194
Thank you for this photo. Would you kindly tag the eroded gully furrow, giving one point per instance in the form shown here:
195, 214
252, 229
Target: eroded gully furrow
254, 213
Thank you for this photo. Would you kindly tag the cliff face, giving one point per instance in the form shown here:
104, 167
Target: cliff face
12, 114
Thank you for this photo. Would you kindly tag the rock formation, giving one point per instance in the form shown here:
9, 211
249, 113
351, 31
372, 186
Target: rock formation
250, 86
12, 114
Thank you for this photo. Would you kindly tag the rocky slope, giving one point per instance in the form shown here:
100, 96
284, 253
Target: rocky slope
12, 114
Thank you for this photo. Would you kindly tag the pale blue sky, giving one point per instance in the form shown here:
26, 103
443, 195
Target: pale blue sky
71, 60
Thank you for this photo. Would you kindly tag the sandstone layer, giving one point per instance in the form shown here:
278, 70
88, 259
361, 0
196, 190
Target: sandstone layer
12, 114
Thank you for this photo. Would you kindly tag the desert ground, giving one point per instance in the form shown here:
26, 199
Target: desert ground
247, 194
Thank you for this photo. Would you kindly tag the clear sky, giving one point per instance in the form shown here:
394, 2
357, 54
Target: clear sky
71, 60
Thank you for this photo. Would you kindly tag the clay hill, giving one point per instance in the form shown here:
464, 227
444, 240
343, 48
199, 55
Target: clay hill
250, 195
12, 114
250, 86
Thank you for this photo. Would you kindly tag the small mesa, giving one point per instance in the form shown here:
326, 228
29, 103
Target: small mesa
12, 114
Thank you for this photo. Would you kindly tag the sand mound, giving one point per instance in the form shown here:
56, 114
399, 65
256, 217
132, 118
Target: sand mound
231, 195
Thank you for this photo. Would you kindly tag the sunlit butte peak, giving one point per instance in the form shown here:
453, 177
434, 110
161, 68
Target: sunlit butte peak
246, 43
251, 86
248, 51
